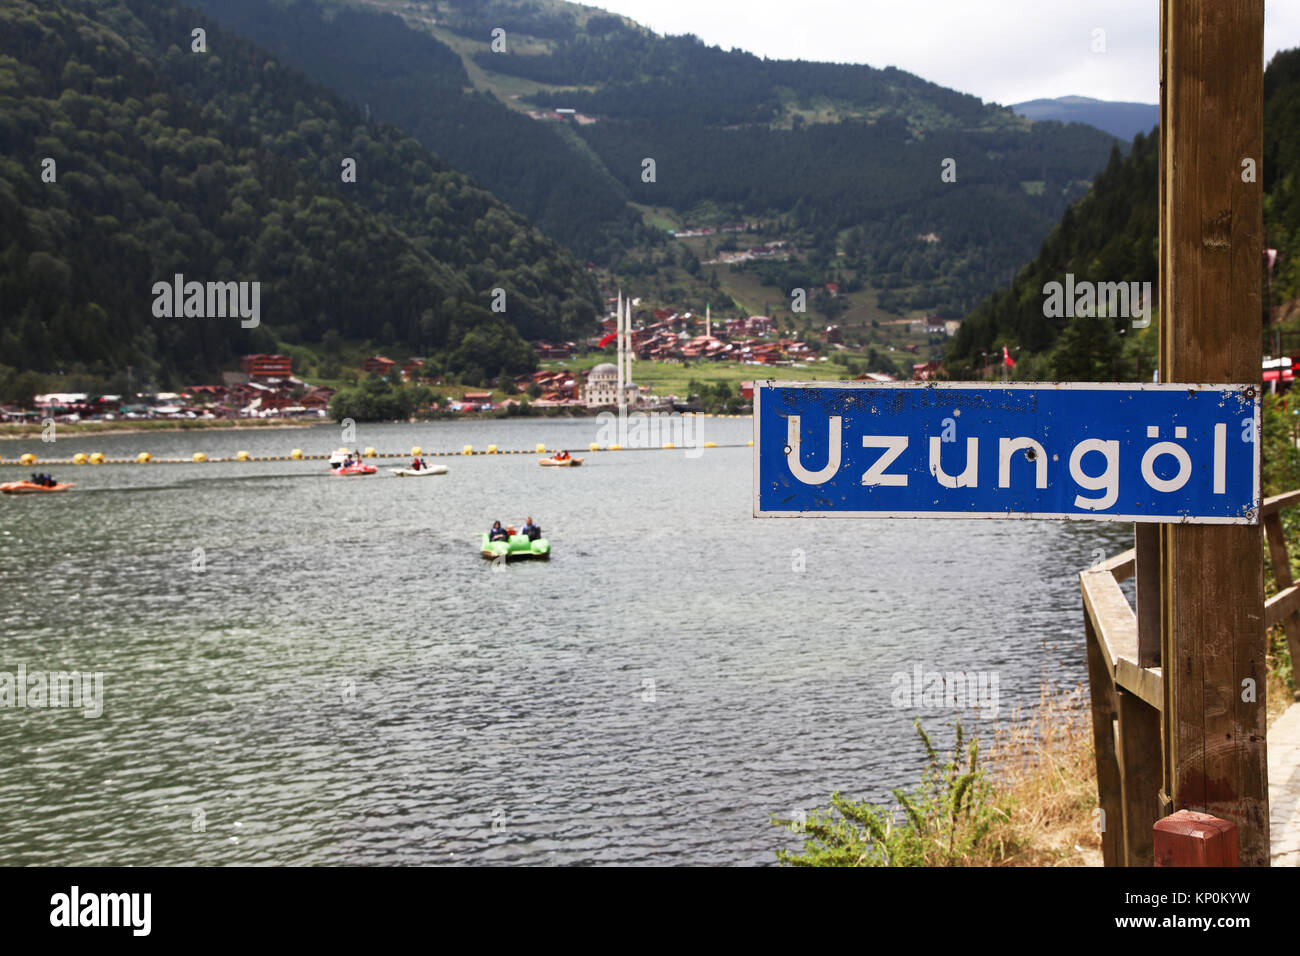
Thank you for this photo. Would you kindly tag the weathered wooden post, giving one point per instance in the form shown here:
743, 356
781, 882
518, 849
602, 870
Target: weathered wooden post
1211, 234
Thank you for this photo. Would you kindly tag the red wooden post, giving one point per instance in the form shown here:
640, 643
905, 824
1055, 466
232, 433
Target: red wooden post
1188, 838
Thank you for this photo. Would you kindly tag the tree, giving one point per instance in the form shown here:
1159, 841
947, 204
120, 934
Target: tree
1087, 350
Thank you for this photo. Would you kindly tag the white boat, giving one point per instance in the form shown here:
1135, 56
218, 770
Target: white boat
420, 472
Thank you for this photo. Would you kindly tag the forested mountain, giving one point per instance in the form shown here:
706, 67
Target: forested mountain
227, 166
1111, 235
1124, 120
1281, 171
822, 149
407, 77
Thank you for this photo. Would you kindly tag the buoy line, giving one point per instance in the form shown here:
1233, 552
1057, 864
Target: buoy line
145, 458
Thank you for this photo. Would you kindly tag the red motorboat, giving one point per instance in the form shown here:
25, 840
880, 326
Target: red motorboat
32, 488
354, 470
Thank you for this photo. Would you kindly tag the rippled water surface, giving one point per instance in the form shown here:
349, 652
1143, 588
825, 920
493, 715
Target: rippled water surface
347, 681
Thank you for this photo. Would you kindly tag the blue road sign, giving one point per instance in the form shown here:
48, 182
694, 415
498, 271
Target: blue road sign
1156, 453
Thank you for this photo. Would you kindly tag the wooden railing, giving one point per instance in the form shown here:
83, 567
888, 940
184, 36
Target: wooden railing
1127, 681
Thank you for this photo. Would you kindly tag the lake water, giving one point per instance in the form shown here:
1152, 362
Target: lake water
346, 681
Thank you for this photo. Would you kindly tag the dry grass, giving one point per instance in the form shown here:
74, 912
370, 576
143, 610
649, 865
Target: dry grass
1045, 774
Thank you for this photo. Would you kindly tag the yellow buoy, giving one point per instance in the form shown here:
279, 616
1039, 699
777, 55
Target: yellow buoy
369, 453
143, 457
344, 451
27, 459
710, 444
615, 447
467, 450
541, 449
750, 442
296, 454
593, 447
669, 444
492, 449
416, 451
244, 456
199, 456
97, 458
80, 458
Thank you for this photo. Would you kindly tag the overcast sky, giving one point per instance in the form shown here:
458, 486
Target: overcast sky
1005, 51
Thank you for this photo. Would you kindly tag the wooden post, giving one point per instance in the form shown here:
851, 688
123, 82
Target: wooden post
1146, 571
1104, 717
1211, 234
1138, 750
1195, 839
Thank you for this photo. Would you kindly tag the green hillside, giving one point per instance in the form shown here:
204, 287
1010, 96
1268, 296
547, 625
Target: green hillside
823, 153
227, 166
409, 78
1111, 235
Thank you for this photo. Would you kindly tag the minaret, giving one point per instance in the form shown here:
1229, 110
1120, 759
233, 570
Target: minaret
708, 321
627, 354
619, 400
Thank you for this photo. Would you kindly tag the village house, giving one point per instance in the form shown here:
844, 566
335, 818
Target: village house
377, 365
266, 366
546, 351
930, 325
926, 371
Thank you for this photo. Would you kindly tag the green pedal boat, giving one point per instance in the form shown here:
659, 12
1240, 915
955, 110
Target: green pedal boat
517, 547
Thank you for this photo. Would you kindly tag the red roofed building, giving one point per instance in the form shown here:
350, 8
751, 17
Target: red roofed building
926, 371
378, 364
267, 366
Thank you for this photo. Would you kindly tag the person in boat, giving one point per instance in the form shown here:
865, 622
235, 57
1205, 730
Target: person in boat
531, 530
416, 464
498, 533
561, 455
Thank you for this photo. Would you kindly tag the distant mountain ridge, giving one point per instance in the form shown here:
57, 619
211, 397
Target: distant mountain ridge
818, 150
1124, 120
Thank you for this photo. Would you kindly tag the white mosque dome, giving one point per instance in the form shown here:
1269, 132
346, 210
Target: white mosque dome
604, 370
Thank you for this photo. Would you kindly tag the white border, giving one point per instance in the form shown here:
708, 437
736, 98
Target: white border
1252, 518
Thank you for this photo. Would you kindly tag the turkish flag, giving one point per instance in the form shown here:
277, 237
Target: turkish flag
1006, 358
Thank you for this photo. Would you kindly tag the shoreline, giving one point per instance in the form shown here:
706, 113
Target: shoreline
19, 432
22, 431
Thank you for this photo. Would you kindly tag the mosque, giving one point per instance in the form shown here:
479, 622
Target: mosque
606, 382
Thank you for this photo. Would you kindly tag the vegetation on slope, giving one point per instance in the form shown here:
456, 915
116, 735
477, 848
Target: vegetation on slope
226, 166
1112, 235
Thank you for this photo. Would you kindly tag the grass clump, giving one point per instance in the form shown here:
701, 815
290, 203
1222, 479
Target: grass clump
1030, 802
